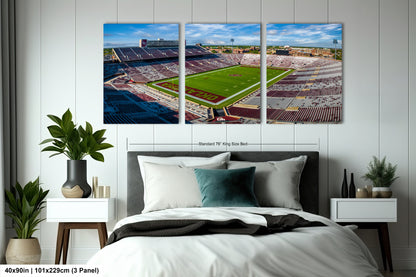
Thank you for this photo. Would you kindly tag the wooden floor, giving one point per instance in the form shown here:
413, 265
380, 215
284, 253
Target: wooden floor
400, 273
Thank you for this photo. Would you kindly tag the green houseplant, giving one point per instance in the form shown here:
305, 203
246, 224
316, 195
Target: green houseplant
25, 204
75, 142
382, 175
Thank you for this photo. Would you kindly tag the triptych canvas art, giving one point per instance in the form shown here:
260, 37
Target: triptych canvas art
222, 73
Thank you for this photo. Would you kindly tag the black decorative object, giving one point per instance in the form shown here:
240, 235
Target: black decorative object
344, 187
76, 185
351, 189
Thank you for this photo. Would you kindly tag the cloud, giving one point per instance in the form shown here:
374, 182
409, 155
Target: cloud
213, 42
223, 33
303, 34
166, 27
208, 27
119, 44
142, 34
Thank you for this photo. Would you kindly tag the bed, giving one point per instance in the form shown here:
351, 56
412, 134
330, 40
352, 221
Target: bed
281, 234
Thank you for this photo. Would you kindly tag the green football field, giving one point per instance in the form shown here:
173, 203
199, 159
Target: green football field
222, 87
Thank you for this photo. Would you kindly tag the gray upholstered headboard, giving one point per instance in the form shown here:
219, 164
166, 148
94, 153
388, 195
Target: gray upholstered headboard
309, 183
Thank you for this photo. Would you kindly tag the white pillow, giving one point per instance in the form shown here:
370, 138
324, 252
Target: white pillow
184, 161
172, 186
276, 183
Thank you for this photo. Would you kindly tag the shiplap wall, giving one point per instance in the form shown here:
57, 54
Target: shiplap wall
59, 66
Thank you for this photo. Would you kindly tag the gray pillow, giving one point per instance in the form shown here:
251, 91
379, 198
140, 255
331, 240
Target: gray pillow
172, 186
276, 183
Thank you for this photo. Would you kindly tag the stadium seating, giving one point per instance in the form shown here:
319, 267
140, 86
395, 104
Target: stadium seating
273, 114
330, 114
282, 93
130, 54
314, 88
244, 112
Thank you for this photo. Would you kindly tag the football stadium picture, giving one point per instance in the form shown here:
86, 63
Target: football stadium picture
222, 83
135, 56
308, 59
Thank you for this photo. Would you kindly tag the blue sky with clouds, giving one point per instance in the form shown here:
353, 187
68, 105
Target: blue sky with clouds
311, 35
123, 35
221, 34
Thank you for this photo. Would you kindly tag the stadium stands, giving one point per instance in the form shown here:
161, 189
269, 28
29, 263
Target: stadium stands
244, 112
314, 88
131, 54
112, 70
313, 92
331, 114
124, 104
251, 59
273, 113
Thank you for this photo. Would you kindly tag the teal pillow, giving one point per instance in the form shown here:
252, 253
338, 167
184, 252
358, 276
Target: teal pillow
227, 187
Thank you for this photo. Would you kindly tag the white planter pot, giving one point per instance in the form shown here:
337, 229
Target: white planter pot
23, 251
382, 192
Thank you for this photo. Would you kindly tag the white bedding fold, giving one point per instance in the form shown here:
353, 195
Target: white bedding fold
314, 251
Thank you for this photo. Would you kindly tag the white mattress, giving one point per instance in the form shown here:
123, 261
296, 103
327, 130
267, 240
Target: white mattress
332, 250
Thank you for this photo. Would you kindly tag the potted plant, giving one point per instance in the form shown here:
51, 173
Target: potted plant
382, 175
25, 204
76, 143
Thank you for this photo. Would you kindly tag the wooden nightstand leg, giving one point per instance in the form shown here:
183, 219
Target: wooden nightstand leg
102, 233
384, 229
59, 242
382, 247
65, 244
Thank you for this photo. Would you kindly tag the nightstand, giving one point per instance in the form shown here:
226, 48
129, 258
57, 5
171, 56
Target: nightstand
78, 213
368, 213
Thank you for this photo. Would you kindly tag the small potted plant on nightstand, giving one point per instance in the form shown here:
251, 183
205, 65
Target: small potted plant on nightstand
382, 175
76, 143
25, 204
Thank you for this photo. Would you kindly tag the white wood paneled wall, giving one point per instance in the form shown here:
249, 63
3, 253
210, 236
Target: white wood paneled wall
59, 66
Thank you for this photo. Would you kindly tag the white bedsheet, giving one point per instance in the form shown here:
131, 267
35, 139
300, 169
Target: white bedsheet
315, 251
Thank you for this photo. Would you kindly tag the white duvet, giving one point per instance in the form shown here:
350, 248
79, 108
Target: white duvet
329, 251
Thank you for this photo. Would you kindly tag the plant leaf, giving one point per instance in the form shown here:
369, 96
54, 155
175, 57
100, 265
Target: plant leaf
53, 148
47, 141
56, 131
97, 156
55, 119
103, 146
82, 132
66, 118
99, 134
88, 128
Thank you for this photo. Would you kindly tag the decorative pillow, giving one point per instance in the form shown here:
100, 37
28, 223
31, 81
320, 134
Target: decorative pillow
171, 186
227, 188
184, 161
276, 183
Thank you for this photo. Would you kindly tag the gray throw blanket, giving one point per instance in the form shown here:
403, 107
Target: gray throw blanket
188, 227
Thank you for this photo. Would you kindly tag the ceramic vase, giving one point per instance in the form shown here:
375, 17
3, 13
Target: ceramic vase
361, 193
382, 192
23, 251
76, 185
